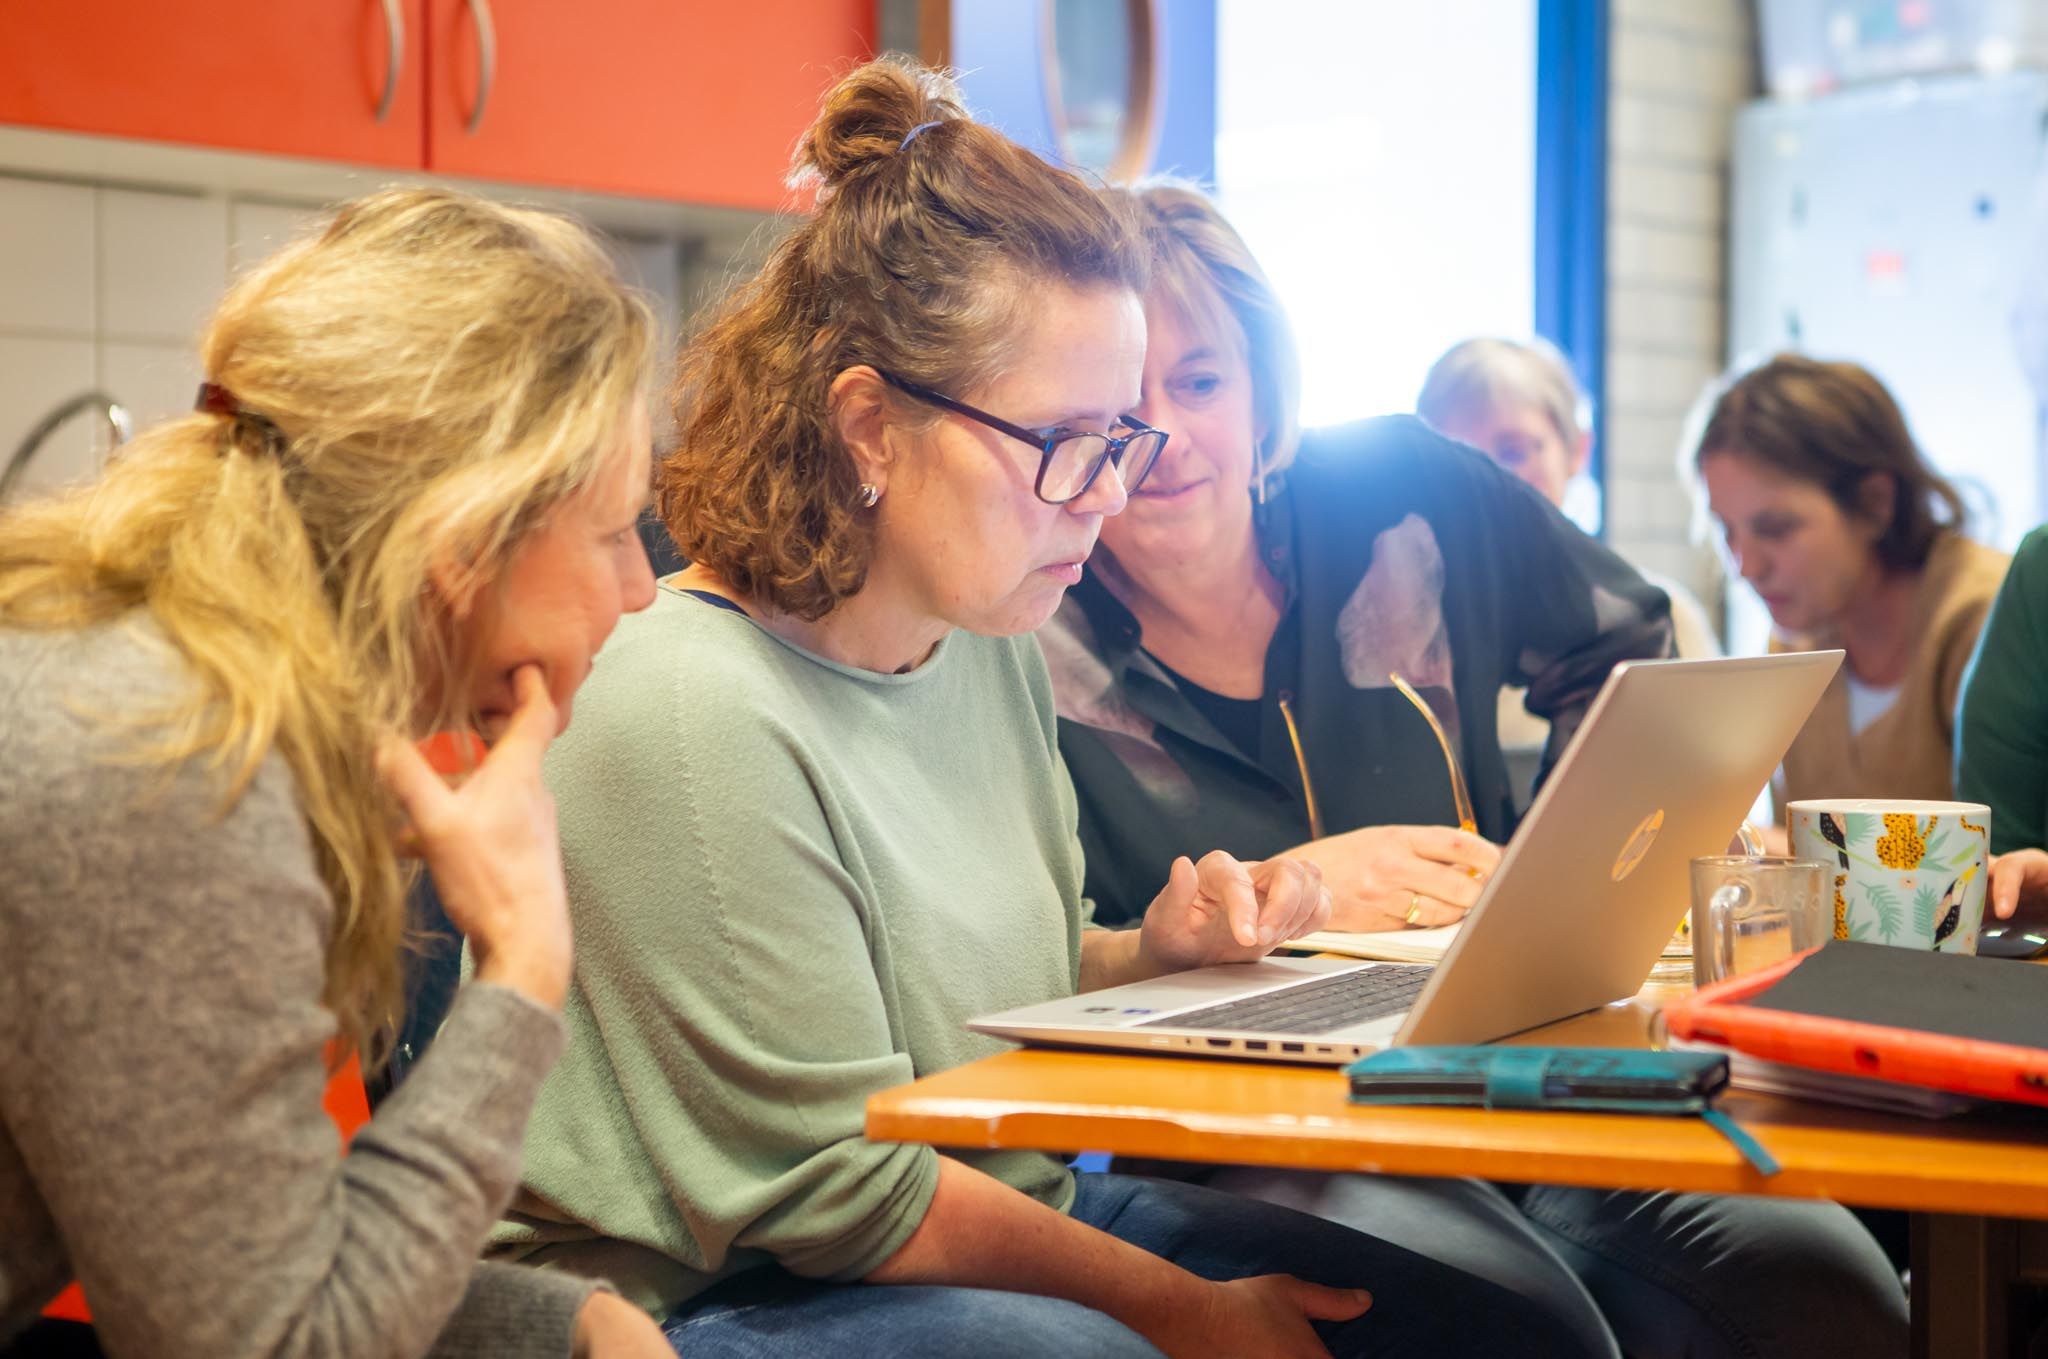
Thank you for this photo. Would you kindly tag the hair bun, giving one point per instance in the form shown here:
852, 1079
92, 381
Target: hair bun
864, 118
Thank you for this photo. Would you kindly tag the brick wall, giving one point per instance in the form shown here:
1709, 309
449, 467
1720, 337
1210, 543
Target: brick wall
1678, 71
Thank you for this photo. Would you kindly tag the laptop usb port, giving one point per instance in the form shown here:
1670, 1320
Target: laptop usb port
1254, 1045
1293, 1047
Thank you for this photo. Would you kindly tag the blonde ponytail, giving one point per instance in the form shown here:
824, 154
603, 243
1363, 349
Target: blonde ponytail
423, 382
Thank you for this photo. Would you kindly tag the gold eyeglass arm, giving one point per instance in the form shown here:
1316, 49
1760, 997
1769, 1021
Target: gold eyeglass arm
1466, 820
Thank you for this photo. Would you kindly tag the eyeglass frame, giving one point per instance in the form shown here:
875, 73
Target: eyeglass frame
1046, 444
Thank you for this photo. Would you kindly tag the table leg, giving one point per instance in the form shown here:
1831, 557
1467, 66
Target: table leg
1964, 1269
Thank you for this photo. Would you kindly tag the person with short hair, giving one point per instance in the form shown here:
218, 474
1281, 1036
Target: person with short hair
1244, 618
405, 505
1517, 402
815, 818
1227, 655
1835, 518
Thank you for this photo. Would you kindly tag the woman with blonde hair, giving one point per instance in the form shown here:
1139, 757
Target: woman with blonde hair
405, 505
814, 817
1223, 668
1222, 673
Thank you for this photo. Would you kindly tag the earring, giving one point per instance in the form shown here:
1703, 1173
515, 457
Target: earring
869, 494
1259, 475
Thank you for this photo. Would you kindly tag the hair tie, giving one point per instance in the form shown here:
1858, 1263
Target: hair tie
214, 399
912, 135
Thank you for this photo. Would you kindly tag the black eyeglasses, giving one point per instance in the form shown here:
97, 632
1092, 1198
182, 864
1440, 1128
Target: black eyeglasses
1069, 460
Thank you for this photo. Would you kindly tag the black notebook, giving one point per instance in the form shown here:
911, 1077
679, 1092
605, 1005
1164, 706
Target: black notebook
1960, 996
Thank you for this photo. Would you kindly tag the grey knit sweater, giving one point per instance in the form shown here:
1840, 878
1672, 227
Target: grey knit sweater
161, 1133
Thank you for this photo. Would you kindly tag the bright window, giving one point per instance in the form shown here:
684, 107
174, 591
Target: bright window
1380, 159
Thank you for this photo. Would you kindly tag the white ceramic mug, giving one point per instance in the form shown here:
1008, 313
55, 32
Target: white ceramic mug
1908, 873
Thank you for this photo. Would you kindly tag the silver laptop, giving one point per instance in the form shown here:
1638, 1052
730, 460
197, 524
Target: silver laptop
1666, 764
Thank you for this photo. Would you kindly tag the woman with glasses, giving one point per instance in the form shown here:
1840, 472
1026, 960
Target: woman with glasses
814, 817
1224, 674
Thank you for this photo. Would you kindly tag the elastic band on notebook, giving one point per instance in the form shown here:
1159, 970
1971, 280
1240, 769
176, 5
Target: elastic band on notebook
1752, 1150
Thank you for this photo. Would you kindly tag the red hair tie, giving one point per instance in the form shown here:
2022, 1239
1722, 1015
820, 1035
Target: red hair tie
215, 399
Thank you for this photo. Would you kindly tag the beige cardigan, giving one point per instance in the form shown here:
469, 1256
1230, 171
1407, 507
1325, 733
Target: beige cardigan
1907, 752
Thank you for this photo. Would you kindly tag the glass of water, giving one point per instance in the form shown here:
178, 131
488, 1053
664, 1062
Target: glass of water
1749, 911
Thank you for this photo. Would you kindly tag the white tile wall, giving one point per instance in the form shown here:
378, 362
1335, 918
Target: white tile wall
154, 381
36, 374
46, 271
163, 260
255, 229
1679, 70
105, 287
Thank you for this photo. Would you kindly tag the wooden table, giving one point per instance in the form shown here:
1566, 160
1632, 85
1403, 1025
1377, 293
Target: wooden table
1967, 1180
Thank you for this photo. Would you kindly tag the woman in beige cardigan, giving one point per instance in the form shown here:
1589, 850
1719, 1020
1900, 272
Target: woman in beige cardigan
1852, 540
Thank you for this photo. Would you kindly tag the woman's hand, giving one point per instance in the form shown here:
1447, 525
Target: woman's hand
1223, 911
493, 848
1265, 1315
609, 1327
1377, 875
2018, 879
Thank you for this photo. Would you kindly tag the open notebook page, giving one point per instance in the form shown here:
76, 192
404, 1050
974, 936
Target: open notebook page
1429, 946
1395, 946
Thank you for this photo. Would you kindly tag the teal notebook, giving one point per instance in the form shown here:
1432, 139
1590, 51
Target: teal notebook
1607, 1080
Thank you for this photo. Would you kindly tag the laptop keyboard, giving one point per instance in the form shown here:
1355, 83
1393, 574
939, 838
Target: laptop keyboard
1315, 1007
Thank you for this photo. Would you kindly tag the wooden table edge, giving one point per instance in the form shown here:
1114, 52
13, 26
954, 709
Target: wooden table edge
1892, 1167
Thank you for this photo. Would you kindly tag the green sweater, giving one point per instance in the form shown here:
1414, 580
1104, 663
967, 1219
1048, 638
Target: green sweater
2002, 725
791, 882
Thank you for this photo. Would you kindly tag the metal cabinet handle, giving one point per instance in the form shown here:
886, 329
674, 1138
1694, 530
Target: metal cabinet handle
487, 61
394, 57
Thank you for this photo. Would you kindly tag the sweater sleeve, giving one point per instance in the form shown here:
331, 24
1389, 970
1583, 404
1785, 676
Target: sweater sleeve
723, 952
163, 1074
517, 1311
2002, 728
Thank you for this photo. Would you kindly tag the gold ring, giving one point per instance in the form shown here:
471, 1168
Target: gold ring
1414, 908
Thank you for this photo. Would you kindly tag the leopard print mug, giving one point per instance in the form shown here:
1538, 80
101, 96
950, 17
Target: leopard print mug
1907, 873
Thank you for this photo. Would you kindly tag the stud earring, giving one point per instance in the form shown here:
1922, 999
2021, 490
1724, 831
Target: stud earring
869, 494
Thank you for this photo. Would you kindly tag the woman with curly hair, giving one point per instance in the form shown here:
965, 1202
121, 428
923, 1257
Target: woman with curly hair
815, 818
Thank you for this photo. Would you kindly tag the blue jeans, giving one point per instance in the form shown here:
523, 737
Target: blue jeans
1656, 1276
1419, 1307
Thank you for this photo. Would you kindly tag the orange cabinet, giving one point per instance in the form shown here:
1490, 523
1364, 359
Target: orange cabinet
309, 78
652, 98
689, 100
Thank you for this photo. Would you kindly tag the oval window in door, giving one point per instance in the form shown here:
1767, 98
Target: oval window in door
1102, 82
